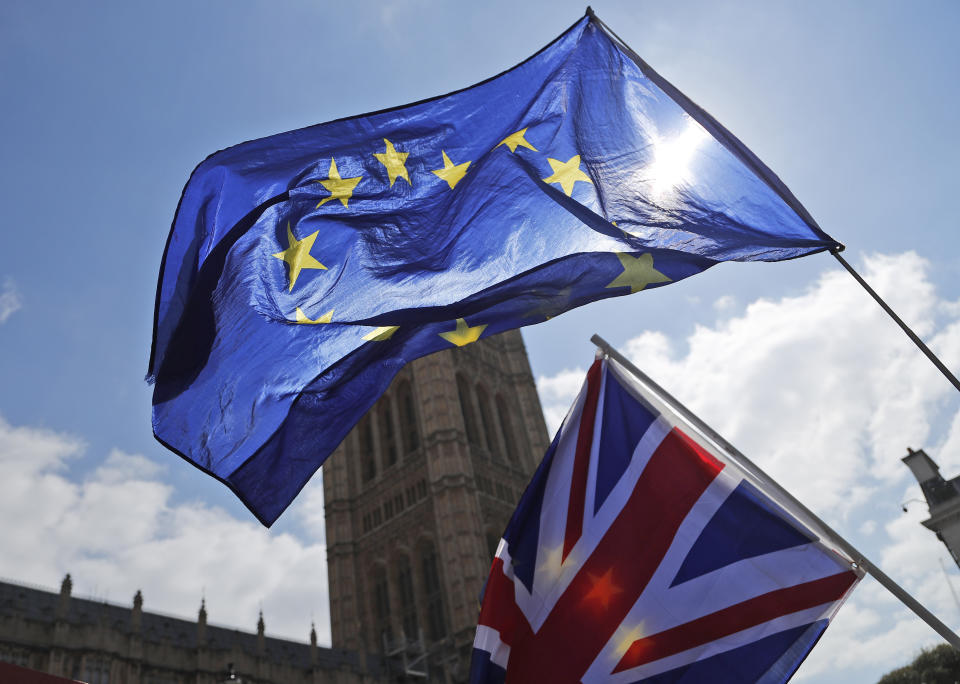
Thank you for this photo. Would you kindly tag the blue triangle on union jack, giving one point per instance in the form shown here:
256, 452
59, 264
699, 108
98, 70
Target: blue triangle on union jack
641, 553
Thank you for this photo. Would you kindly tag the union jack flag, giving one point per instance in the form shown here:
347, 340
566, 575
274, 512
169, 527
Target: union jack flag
641, 554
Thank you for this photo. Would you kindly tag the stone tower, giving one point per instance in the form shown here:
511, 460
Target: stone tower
943, 499
417, 497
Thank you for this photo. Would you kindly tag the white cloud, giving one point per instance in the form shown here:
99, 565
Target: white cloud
308, 508
557, 393
947, 454
824, 392
725, 303
822, 382
874, 629
395, 13
9, 300
116, 531
821, 389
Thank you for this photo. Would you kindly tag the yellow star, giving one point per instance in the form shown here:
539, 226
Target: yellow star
394, 161
625, 637
380, 334
552, 563
515, 140
452, 173
297, 255
325, 318
340, 188
638, 272
566, 173
464, 334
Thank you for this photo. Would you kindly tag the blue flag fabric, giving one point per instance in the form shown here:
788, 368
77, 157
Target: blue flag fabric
304, 269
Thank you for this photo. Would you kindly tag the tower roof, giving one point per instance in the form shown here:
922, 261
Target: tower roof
936, 490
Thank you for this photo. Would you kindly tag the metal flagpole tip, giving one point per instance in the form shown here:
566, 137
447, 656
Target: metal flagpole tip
602, 346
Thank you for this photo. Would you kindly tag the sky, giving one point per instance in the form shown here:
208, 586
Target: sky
108, 106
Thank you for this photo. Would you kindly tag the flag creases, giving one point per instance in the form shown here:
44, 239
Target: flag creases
304, 269
684, 570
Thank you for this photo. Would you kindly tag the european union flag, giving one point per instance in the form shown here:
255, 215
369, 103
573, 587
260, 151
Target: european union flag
304, 269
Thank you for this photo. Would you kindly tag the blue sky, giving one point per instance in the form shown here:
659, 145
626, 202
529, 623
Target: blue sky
109, 106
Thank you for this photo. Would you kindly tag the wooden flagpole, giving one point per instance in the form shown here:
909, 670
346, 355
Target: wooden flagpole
859, 560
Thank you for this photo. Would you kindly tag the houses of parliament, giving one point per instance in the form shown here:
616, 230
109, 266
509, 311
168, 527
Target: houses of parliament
416, 498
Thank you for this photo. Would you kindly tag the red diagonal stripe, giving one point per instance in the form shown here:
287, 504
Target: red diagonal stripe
588, 613
581, 461
738, 617
499, 610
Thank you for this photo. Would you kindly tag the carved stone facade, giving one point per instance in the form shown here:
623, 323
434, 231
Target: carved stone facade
417, 497
102, 643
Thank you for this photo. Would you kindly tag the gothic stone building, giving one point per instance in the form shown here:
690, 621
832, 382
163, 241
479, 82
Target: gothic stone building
416, 499
102, 643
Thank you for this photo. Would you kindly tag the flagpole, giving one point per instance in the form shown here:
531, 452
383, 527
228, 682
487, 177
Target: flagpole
903, 326
858, 558
741, 152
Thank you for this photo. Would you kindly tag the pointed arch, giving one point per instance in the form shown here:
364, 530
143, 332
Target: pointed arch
466, 408
388, 437
409, 427
493, 541
507, 429
408, 602
486, 421
381, 603
368, 457
433, 592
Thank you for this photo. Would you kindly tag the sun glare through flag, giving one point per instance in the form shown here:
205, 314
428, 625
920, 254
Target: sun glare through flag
304, 269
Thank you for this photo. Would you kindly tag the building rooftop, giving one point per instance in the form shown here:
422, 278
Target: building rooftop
40, 605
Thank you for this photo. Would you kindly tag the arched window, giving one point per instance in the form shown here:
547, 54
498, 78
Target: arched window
506, 426
466, 407
436, 623
408, 604
96, 670
388, 441
15, 656
486, 419
368, 460
493, 541
409, 431
381, 603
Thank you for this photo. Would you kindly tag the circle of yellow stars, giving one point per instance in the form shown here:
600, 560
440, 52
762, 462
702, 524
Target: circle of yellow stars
638, 271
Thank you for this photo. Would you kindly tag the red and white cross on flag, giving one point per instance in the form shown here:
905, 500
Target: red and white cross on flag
642, 553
